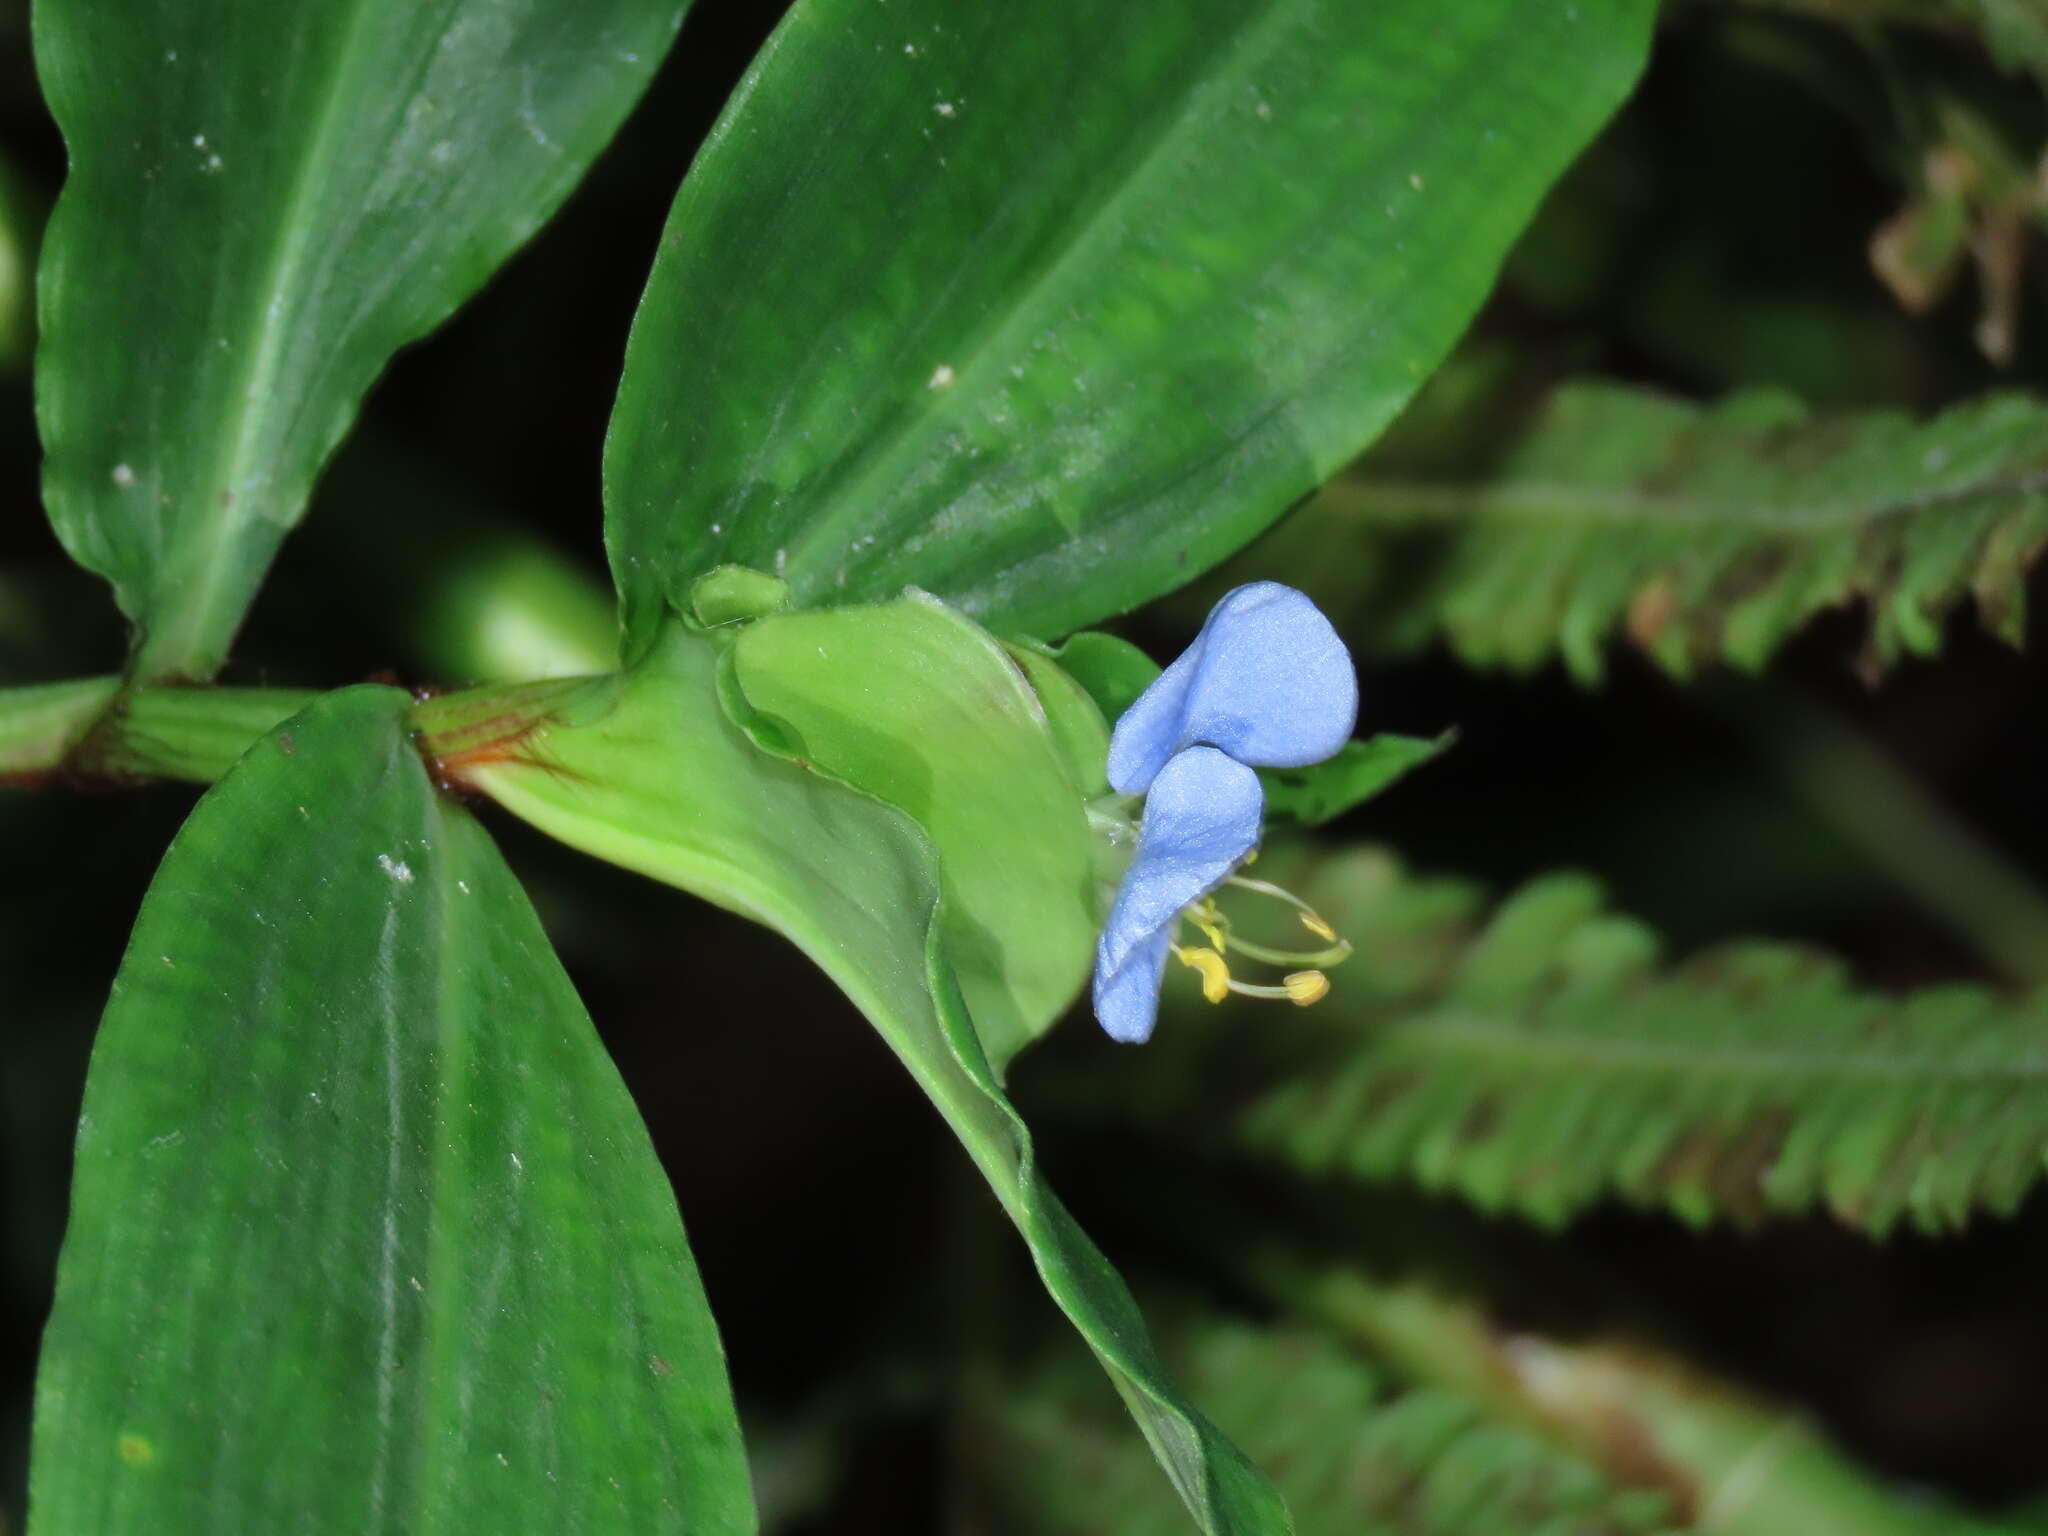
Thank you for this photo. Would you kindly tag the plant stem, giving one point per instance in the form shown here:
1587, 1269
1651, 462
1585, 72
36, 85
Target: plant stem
89, 729
40, 726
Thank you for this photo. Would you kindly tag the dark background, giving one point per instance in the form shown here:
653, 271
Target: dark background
819, 1190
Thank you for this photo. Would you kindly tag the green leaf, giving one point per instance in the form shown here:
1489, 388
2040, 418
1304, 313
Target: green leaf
346, 1103
648, 771
1313, 795
1540, 1060
1352, 1452
265, 202
1112, 670
920, 708
1702, 533
1047, 309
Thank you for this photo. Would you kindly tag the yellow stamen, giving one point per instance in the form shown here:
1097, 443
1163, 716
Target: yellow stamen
1216, 982
1311, 919
1336, 954
1210, 921
1305, 987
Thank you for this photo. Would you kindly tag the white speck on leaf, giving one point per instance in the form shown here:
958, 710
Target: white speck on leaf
942, 376
123, 476
1415, 180
397, 869
518, 1164
462, 886
199, 141
943, 108
1265, 110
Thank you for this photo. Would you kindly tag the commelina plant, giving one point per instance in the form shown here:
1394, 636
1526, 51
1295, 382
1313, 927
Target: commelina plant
971, 327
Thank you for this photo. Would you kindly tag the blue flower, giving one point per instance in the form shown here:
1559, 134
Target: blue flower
1267, 684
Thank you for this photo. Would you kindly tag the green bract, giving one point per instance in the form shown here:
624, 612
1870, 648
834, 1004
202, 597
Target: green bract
893, 902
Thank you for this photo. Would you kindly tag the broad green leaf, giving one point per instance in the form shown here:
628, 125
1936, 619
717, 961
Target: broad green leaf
647, 770
1362, 769
1048, 308
922, 709
265, 202
1702, 533
366, 1233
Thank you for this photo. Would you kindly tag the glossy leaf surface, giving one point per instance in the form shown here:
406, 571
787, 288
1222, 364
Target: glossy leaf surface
265, 202
346, 1103
1046, 309
648, 771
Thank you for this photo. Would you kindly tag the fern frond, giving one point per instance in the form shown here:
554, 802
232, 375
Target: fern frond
1353, 1456
1702, 533
1540, 1060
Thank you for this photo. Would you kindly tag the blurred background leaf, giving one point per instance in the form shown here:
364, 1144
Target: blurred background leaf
1540, 1059
1702, 535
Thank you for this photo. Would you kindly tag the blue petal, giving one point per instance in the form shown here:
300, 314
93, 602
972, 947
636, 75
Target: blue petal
1201, 819
1267, 680
1127, 998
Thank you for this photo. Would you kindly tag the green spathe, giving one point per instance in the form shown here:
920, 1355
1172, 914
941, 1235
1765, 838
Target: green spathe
924, 709
650, 772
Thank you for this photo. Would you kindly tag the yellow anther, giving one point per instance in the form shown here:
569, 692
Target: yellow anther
1215, 973
1305, 987
1210, 921
1314, 923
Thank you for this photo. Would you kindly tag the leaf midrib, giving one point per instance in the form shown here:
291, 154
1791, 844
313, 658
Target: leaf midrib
224, 509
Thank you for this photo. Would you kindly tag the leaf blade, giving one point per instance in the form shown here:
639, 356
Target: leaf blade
1046, 312
345, 1094
265, 203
